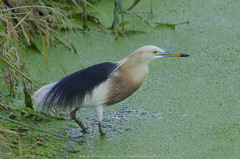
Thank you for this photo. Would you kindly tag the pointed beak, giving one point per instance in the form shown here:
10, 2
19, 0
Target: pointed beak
167, 53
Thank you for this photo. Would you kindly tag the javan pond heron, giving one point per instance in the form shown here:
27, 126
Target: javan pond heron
101, 85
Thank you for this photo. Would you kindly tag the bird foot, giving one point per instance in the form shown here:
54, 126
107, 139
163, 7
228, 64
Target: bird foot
102, 135
84, 131
100, 129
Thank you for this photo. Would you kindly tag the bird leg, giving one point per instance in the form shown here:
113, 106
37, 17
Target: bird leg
73, 116
100, 129
99, 112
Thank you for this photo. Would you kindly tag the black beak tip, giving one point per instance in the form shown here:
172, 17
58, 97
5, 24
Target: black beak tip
184, 55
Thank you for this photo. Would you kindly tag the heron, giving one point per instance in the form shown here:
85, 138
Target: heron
101, 85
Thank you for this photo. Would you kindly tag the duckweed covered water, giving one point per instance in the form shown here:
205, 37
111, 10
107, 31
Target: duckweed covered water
186, 108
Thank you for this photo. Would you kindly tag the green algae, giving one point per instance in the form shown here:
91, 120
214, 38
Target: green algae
186, 108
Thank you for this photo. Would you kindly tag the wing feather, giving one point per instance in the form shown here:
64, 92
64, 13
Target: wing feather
72, 89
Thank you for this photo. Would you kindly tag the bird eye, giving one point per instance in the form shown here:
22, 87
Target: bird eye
155, 52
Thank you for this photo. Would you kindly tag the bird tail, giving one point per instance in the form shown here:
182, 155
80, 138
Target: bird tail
41, 94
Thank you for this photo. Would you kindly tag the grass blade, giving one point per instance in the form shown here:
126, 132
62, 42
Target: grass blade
44, 46
27, 38
55, 52
26, 77
17, 122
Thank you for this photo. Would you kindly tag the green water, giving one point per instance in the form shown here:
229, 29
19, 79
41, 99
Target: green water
186, 108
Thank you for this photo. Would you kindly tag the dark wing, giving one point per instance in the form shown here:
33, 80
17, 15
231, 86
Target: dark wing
73, 88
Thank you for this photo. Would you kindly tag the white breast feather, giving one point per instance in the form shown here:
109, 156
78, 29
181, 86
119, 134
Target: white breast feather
97, 97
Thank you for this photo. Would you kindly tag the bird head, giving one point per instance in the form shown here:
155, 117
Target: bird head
148, 53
